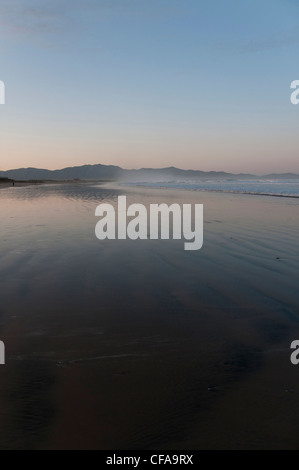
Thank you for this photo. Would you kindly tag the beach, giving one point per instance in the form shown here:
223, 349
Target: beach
122, 344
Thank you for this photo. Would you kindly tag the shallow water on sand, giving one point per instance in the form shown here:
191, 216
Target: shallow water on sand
142, 345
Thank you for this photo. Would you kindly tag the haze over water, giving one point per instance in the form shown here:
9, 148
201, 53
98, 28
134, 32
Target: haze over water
274, 187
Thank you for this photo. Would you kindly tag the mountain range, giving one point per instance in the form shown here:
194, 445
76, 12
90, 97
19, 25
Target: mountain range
108, 172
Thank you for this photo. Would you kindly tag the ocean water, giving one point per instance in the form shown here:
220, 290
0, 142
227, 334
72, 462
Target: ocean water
287, 188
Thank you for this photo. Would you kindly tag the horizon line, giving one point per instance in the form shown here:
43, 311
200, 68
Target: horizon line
149, 168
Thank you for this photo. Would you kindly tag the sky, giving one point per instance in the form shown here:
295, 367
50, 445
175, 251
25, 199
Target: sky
199, 84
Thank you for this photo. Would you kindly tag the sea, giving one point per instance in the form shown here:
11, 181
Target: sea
267, 187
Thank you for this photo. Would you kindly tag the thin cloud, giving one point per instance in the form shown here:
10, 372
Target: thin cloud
32, 17
21, 18
281, 39
40, 16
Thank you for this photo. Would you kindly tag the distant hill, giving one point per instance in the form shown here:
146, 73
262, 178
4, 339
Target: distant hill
86, 172
5, 180
108, 172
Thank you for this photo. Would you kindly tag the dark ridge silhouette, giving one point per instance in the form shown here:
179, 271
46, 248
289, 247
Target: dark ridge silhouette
109, 172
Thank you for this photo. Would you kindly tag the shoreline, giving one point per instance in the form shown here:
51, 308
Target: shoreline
21, 184
118, 184
18, 185
218, 191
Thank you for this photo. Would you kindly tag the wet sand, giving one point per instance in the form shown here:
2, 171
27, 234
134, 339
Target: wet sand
141, 345
18, 184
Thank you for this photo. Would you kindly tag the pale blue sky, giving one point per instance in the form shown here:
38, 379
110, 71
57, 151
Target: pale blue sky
191, 83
